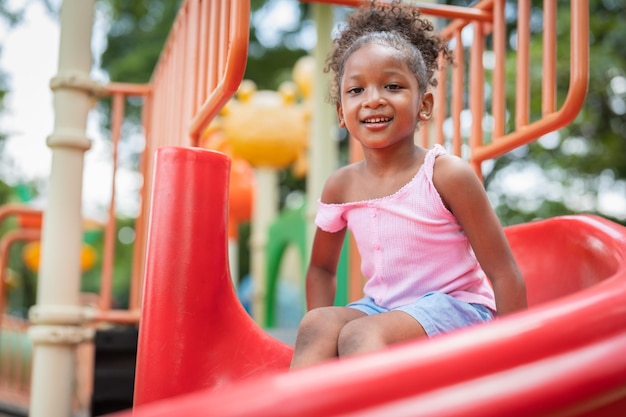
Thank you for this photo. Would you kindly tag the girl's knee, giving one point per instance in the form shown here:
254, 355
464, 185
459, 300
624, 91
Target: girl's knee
316, 324
315, 320
353, 338
317, 337
358, 337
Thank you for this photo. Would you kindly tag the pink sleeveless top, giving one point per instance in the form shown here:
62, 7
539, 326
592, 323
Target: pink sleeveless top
410, 244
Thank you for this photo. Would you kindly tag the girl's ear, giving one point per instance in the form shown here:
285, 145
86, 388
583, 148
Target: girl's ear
426, 106
342, 122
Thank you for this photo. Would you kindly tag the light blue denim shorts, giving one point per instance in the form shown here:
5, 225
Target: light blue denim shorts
436, 312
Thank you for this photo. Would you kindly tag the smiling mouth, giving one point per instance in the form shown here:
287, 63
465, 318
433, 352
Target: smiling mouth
375, 120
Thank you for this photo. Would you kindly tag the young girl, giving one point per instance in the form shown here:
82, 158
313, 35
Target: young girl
425, 230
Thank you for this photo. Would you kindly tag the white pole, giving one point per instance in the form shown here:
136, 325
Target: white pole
57, 316
323, 153
263, 214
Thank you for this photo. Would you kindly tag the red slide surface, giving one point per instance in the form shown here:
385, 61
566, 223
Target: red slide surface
200, 354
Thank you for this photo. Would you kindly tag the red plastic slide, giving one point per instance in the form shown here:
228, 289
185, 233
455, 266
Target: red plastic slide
199, 353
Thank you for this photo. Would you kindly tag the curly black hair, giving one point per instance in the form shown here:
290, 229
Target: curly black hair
395, 24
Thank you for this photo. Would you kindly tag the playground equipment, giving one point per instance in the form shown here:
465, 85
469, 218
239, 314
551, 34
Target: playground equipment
574, 268
269, 130
564, 356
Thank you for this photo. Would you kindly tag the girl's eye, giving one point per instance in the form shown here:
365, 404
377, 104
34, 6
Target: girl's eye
394, 87
355, 90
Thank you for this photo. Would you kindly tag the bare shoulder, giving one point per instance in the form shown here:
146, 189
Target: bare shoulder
454, 178
338, 185
451, 167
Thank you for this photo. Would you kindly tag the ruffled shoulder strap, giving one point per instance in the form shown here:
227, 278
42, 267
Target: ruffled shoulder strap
330, 216
429, 160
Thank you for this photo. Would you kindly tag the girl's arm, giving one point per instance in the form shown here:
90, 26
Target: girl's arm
464, 195
321, 279
321, 282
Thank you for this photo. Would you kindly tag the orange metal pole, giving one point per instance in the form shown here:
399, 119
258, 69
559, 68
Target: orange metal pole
234, 68
120, 91
499, 71
222, 47
106, 280
522, 90
548, 86
176, 85
203, 55
477, 88
457, 94
485, 6
139, 245
438, 10
212, 70
129, 89
440, 103
191, 60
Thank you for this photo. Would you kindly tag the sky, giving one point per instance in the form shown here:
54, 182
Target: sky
29, 115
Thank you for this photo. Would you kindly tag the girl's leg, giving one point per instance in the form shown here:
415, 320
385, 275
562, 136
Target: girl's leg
318, 333
370, 333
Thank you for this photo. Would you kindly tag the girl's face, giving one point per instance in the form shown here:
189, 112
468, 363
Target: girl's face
381, 103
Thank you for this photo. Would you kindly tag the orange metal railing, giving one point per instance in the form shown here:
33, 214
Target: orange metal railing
199, 69
466, 80
493, 32
14, 345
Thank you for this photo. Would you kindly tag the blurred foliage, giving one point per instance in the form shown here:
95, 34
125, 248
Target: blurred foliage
124, 239
136, 35
577, 165
138, 31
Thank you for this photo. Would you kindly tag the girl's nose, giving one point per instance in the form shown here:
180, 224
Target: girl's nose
373, 99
